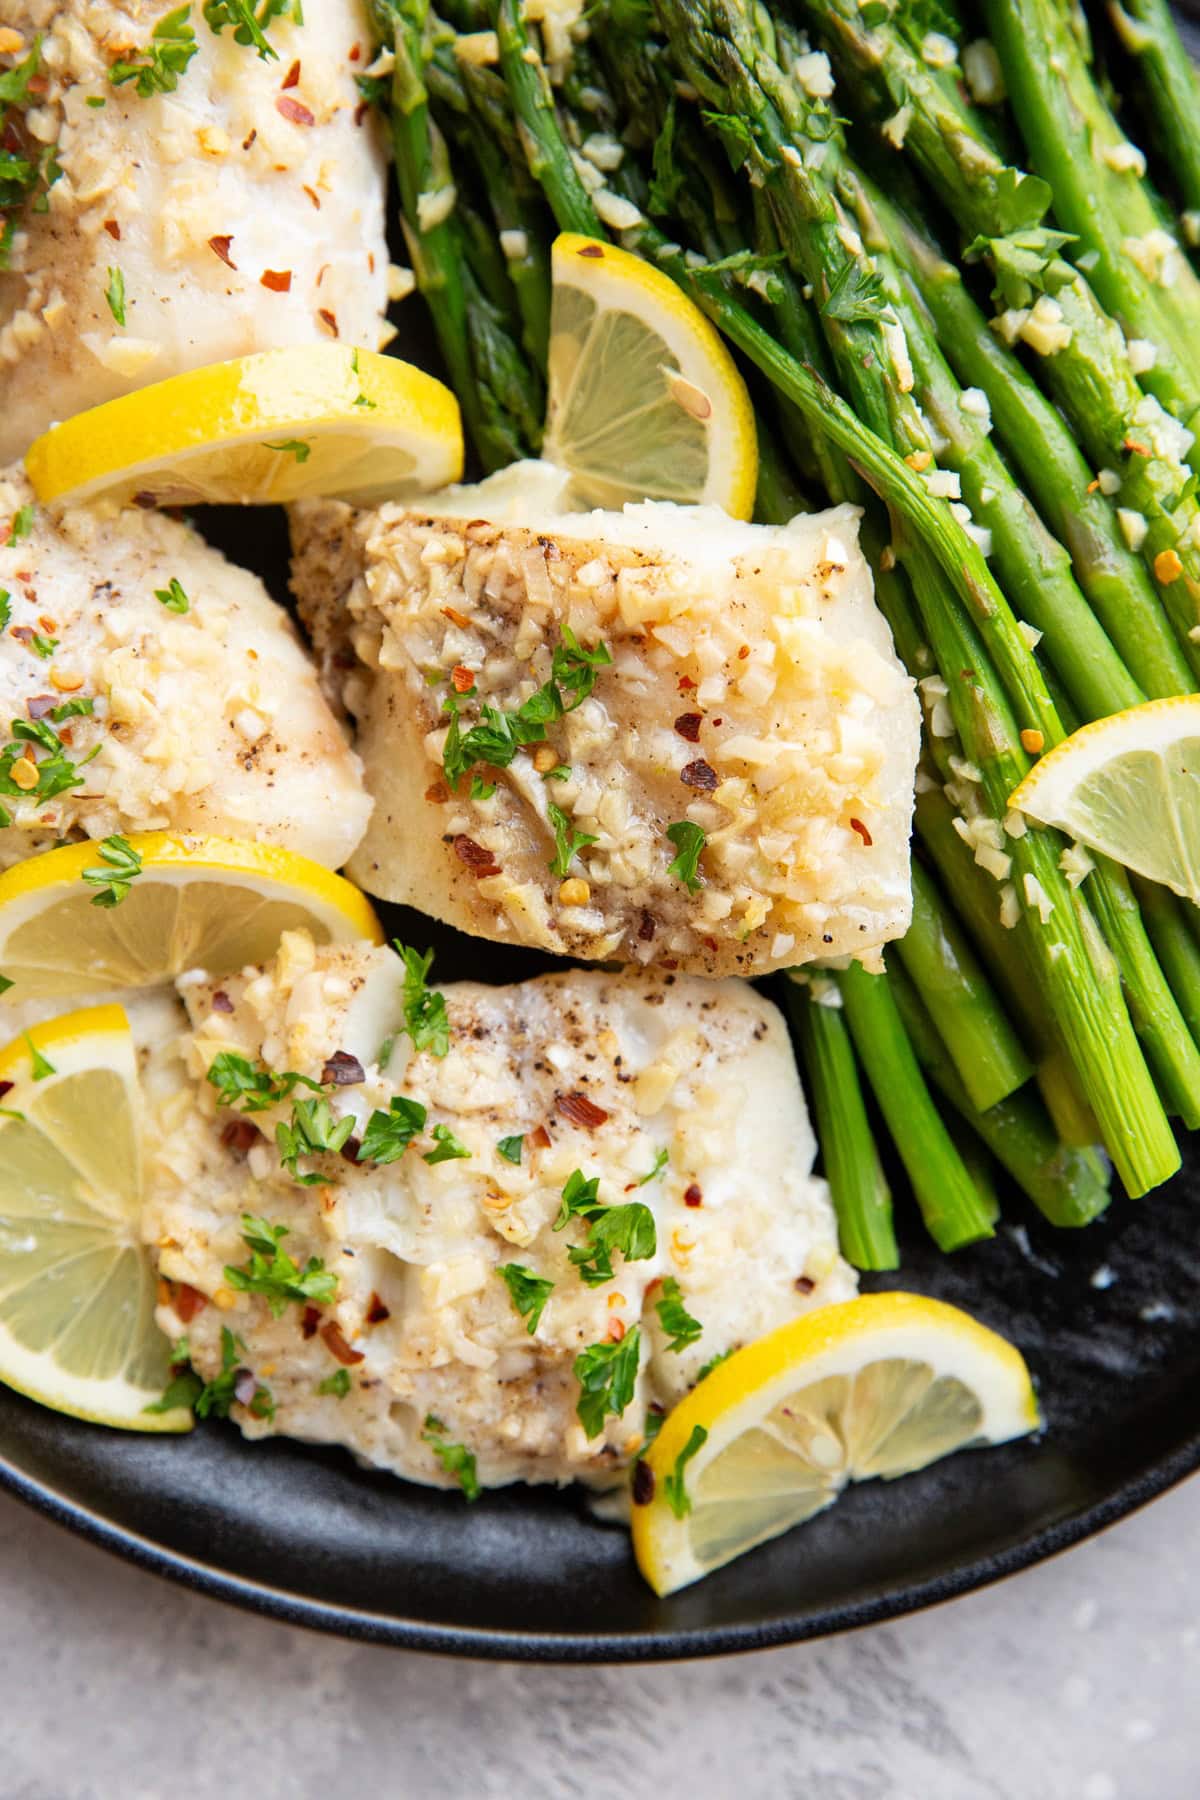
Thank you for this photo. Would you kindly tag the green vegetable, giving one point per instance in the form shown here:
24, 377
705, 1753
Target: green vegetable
272, 1273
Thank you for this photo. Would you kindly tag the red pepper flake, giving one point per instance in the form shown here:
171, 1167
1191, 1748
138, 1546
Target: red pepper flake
360, 112
47, 623
6, 1087
38, 705
743, 653
292, 76
240, 1135
481, 862
314, 197
699, 774
710, 943
220, 247
616, 1330
804, 1284
343, 1070
580, 1110
688, 726
355, 52
692, 1196
350, 1149
438, 793
462, 679
539, 1139
221, 1002
189, 1301
113, 229
646, 928
377, 1312
247, 141
337, 1346
592, 250
643, 1483
294, 110
864, 834
278, 280
455, 617
329, 320
310, 1321
686, 684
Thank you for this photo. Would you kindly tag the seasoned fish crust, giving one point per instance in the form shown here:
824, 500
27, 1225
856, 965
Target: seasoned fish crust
753, 691
243, 211
700, 1071
208, 720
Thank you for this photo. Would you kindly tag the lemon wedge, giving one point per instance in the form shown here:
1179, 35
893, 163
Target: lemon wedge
881, 1385
1129, 787
646, 402
77, 1287
283, 425
195, 902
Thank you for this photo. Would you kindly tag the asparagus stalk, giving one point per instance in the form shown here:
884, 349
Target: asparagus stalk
1068, 1186
857, 1184
981, 1043
1147, 31
953, 1211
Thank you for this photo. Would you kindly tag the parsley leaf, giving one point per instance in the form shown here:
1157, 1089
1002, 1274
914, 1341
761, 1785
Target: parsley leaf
580, 1199
681, 1328
481, 790
272, 1273
660, 1163
44, 646
22, 525
689, 840
156, 68
5, 608
56, 773
5, 984
185, 1386
425, 1017
81, 708
454, 1458
856, 297
449, 1148
389, 1134
677, 1496
217, 1396
313, 1130
528, 1292
607, 1374
236, 1078
337, 1384
714, 1361
114, 293
510, 1148
40, 1066
574, 668
14, 82
629, 1228
567, 841
250, 27
293, 446
499, 735
172, 597
122, 866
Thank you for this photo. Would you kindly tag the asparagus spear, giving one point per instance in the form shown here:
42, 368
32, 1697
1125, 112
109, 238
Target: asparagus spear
1147, 31
855, 1175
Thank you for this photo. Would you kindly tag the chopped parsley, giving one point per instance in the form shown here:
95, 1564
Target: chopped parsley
528, 1292
250, 26
681, 1328
337, 1384
449, 1148
5, 984
156, 68
217, 1396
80, 708
454, 1458
40, 1066
5, 608
292, 446
499, 735
689, 840
567, 842
389, 1134
95, 100
14, 82
172, 596
480, 789
122, 865
312, 1131
22, 524
660, 1163
425, 1017
56, 773
272, 1273
237, 1078
510, 1148
184, 1387
562, 772
628, 1228
607, 1374
44, 646
114, 293
714, 1362
677, 1496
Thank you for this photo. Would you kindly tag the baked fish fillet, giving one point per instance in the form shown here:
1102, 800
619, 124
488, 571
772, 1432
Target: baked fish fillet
126, 636
741, 682
241, 211
675, 1094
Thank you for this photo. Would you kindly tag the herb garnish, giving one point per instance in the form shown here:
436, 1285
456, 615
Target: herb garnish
714, 1362
425, 1017
500, 735
528, 1292
22, 524
43, 646
236, 1078
157, 67
272, 1273
454, 1458
337, 1384
628, 1228
660, 1163
122, 866
313, 1130
677, 1496
689, 840
40, 1066
567, 841
389, 1134
82, 707
172, 596
217, 1396
681, 1328
5, 608
607, 1374
56, 773
510, 1148
249, 26
294, 446
449, 1148
114, 293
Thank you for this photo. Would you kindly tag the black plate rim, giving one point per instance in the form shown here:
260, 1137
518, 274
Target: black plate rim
602, 1647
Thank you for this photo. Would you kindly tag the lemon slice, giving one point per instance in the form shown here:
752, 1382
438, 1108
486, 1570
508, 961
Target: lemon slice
646, 402
198, 903
283, 425
77, 1288
881, 1385
1128, 786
